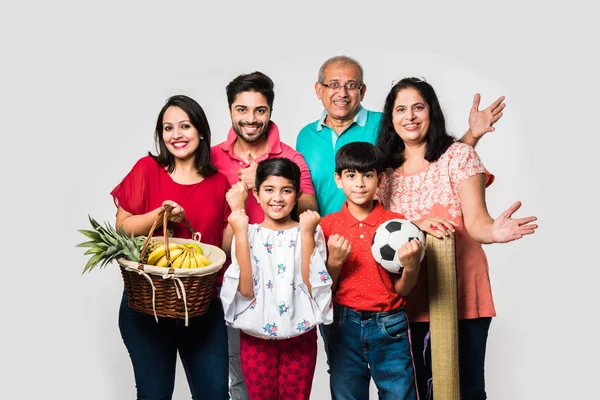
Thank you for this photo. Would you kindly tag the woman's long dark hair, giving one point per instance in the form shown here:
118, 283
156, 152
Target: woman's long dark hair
202, 161
437, 140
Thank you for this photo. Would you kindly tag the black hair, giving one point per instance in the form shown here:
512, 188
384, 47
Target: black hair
283, 167
437, 141
198, 119
253, 82
360, 157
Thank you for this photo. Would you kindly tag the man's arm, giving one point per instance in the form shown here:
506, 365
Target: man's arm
481, 122
308, 198
307, 202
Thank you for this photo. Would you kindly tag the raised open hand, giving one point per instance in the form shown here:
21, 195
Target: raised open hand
482, 122
506, 229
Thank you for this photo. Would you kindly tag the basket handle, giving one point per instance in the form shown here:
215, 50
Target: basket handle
164, 215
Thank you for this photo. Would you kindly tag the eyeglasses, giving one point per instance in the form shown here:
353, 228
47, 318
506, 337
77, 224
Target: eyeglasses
420, 79
349, 86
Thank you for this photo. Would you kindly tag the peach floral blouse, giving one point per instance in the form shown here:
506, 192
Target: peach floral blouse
434, 191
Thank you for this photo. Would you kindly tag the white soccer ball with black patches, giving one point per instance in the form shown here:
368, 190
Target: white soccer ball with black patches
389, 237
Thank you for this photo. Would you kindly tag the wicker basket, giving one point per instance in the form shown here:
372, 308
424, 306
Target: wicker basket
172, 292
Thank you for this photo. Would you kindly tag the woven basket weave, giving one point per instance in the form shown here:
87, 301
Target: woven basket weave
441, 269
171, 292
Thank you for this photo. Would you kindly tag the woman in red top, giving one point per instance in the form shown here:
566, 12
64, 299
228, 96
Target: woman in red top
181, 176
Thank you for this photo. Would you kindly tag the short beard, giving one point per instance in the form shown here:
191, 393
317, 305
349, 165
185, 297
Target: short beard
254, 138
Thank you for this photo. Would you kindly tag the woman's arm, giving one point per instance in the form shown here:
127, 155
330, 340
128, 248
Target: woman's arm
478, 222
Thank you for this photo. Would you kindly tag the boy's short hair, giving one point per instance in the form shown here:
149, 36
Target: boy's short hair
360, 157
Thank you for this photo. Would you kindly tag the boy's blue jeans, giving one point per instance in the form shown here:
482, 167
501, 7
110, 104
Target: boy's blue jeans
362, 345
153, 348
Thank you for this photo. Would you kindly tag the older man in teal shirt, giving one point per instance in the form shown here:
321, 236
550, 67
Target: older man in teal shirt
318, 143
341, 89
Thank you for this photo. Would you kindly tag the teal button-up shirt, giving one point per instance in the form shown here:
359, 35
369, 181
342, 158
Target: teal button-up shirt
318, 143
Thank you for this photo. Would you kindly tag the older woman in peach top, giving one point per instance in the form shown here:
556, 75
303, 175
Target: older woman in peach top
434, 178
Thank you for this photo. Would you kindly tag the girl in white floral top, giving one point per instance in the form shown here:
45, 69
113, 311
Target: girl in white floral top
277, 288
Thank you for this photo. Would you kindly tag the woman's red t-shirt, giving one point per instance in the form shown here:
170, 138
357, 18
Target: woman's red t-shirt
148, 185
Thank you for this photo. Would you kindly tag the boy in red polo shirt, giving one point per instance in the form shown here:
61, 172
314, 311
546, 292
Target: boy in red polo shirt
369, 335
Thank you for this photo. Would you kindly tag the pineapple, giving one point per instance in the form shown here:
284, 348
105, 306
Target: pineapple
107, 244
154, 243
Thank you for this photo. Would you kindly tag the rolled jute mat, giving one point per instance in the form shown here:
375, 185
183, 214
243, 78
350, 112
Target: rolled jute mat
441, 268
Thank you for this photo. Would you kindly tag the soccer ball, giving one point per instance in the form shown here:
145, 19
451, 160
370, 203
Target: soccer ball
389, 237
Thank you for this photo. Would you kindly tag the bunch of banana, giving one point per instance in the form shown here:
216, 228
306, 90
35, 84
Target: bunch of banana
188, 255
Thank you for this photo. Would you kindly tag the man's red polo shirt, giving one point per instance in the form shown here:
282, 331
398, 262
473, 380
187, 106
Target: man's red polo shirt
228, 163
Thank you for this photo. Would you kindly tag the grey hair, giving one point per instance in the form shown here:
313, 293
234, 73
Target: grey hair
343, 60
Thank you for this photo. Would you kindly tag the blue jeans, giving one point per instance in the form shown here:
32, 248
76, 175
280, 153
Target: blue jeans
153, 348
472, 342
362, 345
324, 331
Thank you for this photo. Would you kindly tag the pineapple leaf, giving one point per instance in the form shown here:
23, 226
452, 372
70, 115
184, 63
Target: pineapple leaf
107, 238
87, 244
93, 222
91, 235
93, 250
108, 243
92, 263
112, 250
107, 261
130, 255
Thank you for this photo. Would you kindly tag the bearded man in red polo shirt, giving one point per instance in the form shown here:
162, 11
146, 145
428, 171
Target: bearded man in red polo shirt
253, 137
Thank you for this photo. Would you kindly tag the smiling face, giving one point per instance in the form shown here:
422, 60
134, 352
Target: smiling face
410, 116
180, 136
342, 105
277, 197
250, 116
359, 187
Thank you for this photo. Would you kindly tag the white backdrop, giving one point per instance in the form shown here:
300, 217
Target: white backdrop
82, 84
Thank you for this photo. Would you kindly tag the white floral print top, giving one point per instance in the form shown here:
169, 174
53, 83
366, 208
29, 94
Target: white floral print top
281, 307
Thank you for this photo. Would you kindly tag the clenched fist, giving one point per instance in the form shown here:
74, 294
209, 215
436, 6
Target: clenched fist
236, 196
338, 249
